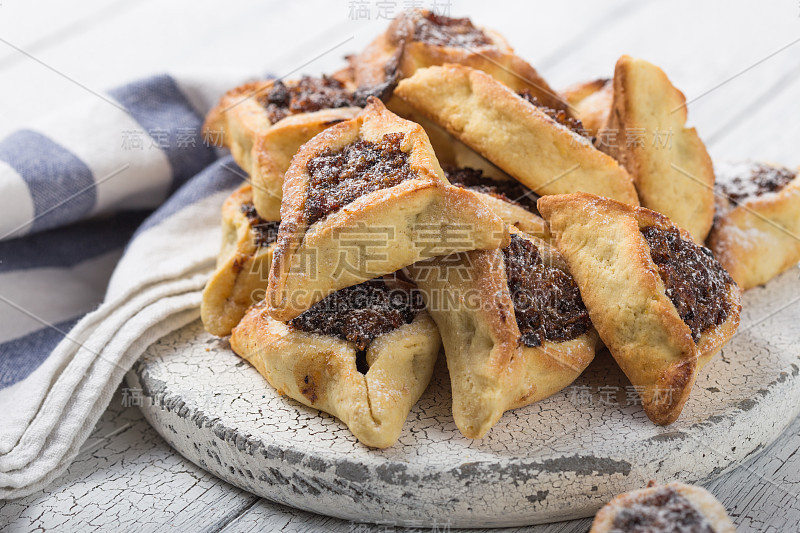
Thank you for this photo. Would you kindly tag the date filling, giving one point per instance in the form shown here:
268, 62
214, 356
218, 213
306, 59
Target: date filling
510, 191
695, 282
446, 31
339, 178
304, 96
547, 302
741, 181
361, 313
663, 510
265, 233
558, 115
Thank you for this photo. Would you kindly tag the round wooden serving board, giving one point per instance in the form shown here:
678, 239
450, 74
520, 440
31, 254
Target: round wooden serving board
559, 459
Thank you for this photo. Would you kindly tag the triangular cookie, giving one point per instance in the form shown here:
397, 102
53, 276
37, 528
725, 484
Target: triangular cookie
265, 122
463, 167
449, 150
364, 354
419, 38
647, 133
671, 507
513, 326
661, 303
365, 198
540, 147
240, 279
756, 232
273, 151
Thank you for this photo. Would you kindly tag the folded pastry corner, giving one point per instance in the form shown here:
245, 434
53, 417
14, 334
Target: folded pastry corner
364, 354
365, 198
449, 150
513, 326
264, 123
661, 303
590, 102
240, 279
671, 507
514, 203
541, 147
419, 38
274, 149
756, 232
646, 131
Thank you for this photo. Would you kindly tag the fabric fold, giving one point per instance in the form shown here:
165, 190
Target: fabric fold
50, 409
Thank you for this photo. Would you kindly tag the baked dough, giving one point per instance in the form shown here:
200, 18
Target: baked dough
514, 203
386, 206
756, 232
493, 366
418, 39
515, 215
646, 132
659, 347
322, 370
449, 150
516, 135
454, 155
672, 507
263, 148
590, 102
273, 151
240, 279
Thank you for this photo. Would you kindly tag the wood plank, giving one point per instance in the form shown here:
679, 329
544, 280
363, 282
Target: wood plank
214, 43
200, 45
767, 133
760, 495
677, 36
267, 516
127, 467
543, 34
208, 40
126, 478
37, 25
146, 44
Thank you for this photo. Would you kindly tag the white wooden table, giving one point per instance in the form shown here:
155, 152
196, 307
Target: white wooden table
738, 64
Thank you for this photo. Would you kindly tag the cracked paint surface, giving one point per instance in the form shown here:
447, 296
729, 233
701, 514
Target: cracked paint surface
125, 479
560, 458
130, 480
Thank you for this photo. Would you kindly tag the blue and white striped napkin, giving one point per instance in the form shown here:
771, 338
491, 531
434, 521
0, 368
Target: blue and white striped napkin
77, 196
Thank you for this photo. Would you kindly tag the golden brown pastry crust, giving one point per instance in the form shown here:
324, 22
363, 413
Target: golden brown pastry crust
320, 371
590, 102
516, 216
240, 278
273, 150
611, 262
514, 134
760, 237
416, 211
396, 55
491, 370
449, 150
262, 149
700, 499
668, 161
237, 120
